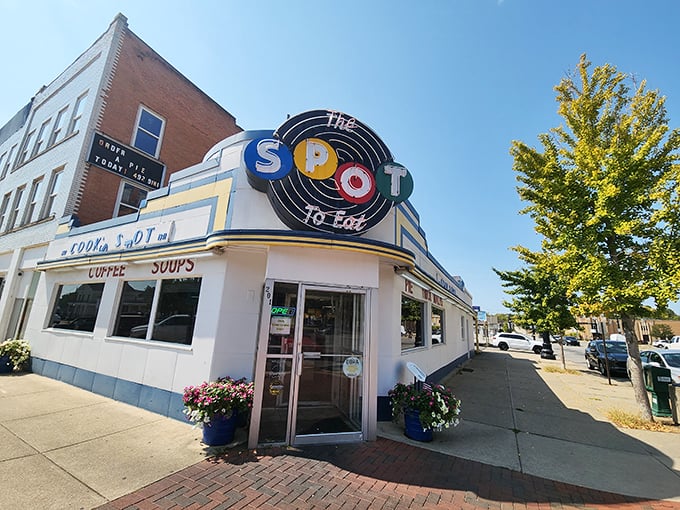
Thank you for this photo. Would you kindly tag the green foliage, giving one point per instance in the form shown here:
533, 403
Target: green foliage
602, 192
541, 299
217, 398
662, 331
19, 352
436, 404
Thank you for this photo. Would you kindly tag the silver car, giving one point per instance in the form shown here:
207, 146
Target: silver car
667, 358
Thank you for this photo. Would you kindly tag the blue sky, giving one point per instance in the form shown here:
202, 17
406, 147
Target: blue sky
446, 84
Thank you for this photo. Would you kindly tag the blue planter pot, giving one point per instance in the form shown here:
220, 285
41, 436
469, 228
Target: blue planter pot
6, 365
220, 430
413, 429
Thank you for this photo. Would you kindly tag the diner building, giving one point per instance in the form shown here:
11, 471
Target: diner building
291, 257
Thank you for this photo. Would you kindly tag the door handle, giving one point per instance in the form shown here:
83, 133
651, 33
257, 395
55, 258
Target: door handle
311, 355
298, 368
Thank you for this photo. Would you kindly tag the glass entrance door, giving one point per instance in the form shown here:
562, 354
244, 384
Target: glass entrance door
331, 360
310, 370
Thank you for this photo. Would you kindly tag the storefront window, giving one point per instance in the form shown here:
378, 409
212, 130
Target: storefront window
134, 310
76, 306
412, 313
175, 315
437, 322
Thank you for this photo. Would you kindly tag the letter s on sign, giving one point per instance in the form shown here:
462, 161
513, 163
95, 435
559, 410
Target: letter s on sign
268, 158
190, 266
154, 268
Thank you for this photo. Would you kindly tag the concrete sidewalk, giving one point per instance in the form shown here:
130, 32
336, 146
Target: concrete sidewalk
553, 425
527, 437
64, 447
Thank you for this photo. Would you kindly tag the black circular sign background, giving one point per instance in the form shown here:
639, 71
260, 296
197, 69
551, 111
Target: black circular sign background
308, 204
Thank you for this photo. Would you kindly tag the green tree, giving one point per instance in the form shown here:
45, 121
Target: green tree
541, 299
503, 319
662, 331
603, 194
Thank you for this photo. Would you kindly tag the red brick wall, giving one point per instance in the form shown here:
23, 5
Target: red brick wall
193, 121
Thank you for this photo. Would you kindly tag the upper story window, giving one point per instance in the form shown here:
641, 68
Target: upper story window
8, 162
77, 115
58, 127
24, 152
52, 192
129, 199
32, 201
16, 205
42, 136
149, 132
4, 206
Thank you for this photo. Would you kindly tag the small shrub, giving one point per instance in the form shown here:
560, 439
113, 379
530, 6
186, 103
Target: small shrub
19, 352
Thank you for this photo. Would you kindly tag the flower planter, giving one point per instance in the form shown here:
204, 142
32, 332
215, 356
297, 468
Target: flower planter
413, 428
220, 430
6, 366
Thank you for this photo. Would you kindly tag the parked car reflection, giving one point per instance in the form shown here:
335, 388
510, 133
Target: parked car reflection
175, 328
77, 324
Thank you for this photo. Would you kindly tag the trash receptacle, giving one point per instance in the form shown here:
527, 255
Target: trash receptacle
657, 382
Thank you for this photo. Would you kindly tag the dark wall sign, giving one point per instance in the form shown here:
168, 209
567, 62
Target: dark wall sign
125, 161
325, 171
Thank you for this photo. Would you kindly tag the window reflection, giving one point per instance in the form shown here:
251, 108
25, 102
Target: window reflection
412, 313
76, 306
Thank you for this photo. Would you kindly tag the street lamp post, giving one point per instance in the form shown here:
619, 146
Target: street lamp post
546, 348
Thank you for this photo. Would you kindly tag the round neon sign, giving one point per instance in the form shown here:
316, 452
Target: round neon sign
326, 171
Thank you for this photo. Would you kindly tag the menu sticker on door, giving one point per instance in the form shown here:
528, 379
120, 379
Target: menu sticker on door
280, 326
275, 387
351, 367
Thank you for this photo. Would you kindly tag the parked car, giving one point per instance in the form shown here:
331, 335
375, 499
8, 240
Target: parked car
673, 343
505, 341
617, 356
669, 358
570, 340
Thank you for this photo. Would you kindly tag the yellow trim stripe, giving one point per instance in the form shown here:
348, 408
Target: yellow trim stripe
220, 189
403, 222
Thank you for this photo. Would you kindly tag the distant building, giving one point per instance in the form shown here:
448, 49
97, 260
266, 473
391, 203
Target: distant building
89, 146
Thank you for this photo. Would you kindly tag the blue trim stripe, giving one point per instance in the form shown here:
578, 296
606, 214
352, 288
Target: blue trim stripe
152, 399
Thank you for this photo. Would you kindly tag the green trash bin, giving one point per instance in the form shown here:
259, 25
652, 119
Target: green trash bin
657, 382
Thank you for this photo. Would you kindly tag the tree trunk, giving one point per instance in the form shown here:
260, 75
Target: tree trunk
636, 368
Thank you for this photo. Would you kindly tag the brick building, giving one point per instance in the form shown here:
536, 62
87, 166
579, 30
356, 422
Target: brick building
88, 147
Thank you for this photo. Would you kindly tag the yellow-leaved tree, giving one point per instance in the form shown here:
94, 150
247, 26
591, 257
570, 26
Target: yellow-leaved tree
603, 193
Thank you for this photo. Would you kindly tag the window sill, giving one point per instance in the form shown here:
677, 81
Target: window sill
47, 149
414, 349
70, 332
28, 225
149, 343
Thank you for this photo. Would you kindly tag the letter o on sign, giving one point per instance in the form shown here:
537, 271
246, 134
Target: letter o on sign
355, 183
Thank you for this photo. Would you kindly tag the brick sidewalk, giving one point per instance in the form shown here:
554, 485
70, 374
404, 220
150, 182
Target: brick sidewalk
378, 475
